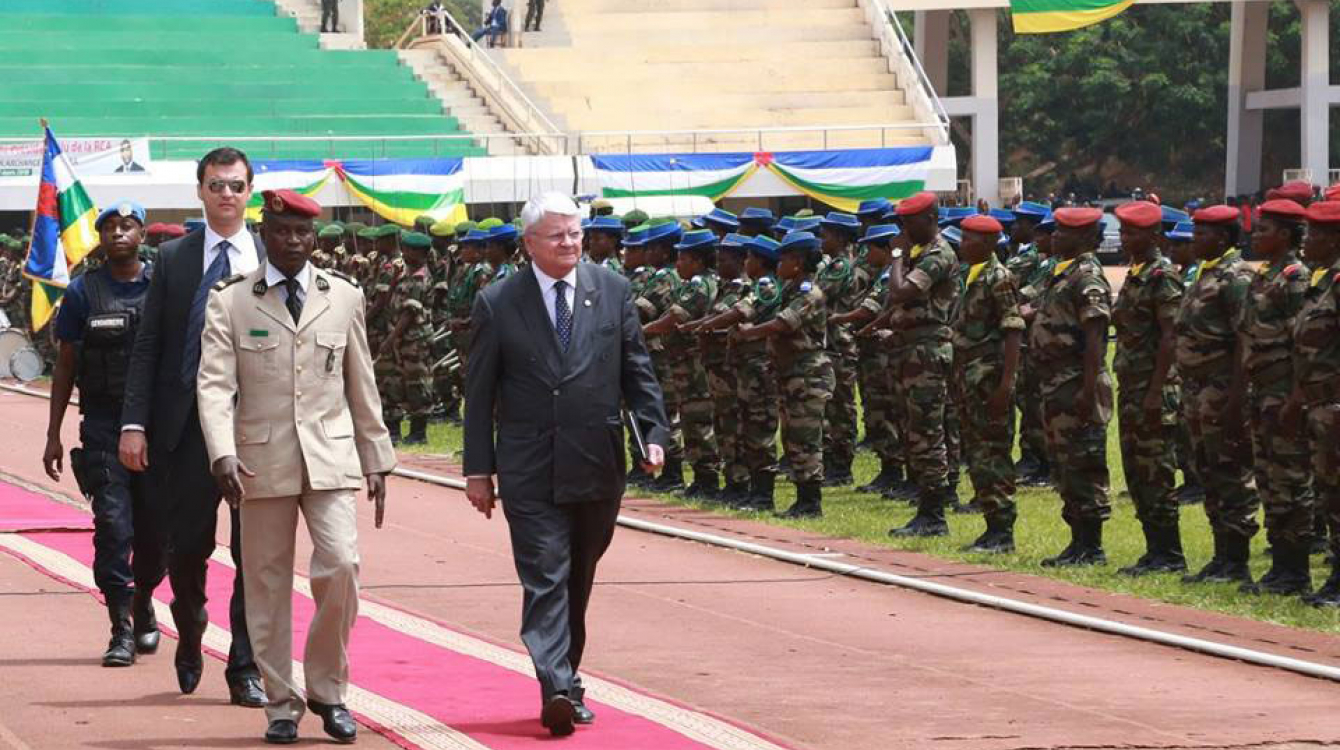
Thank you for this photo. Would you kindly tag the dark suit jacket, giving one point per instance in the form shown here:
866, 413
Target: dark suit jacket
559, 435
155, 395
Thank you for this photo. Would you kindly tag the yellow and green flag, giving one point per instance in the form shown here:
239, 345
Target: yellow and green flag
1046, 16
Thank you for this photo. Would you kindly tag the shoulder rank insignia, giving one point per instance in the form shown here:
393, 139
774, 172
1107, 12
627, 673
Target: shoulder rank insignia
322, 284
344, 276
259, 288
228, 281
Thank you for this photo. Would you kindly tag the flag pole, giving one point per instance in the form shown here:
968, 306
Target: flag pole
32, 227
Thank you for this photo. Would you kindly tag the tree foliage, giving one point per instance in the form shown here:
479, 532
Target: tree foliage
385, 20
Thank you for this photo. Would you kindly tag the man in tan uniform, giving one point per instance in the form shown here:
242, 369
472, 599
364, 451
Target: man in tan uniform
292, 421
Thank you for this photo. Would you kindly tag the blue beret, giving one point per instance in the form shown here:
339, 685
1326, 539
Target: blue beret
667, 231
123, 208
798, 240
475, 235
721, 217
876, 207
697, 222
1031, 210
1182, 232
758, 215
807, 224
954, 214
696, 238
636, 237
842, 221
784, 224
763, 245
1048, 224
881, 232
952, 235
503, 232
1006, 218
606, 224
734, 241
586, 224
1172, 216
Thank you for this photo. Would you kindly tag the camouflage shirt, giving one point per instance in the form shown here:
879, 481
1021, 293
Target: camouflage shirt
933, 271
1316, 337
693, 300
715, 347
638, 278
655, 300
1147, 299
1077, 294
1208, 318
758, 306
1275, 296
844, 283
461, 299
805, 314
1023, 265
989, 309
413, 294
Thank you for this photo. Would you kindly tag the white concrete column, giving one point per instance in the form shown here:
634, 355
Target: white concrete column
1314, 85
1246, 73
931, 41
986, 125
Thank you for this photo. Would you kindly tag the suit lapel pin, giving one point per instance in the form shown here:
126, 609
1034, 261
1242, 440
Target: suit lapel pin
322, 284
259, 288
586, 303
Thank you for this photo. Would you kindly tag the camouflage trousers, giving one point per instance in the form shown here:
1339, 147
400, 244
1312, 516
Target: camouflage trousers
955, 454
696, 418
724, 384
1028, 399
758, 403
1077, 448
411, 388
389, 387
1283, 466
877, 401
1186, 458
1323, 428
1147, 450
919, 375
1222, 455
988, 443
663, 363
806, 389
446, 383
840, 414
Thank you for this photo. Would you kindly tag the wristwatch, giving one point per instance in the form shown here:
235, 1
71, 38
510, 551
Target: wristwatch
896, 253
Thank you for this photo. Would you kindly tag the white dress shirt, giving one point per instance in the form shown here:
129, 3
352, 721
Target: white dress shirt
274, 278
241, 254
547, 291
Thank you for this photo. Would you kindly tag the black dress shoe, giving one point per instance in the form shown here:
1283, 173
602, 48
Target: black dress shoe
282, 732
188, 678
336, 721
581, 714
558, 715
247, 692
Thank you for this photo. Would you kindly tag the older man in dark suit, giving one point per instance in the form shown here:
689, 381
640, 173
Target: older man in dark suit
160, 430
557, 353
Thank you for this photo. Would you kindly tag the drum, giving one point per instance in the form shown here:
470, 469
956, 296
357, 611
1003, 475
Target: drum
18, 358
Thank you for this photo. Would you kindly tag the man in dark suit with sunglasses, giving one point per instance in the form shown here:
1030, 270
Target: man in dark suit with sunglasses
161, 427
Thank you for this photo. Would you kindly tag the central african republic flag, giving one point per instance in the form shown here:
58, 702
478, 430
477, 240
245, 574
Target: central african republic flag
1044, 16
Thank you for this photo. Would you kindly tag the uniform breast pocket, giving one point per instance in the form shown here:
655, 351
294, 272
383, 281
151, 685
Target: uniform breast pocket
258, 357
330, 353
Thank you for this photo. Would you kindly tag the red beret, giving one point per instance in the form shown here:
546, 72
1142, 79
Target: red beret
1139, 214
1294, 190
290, 202
155, 228
1077, 218
174, 230
1333, 193
1324, 212
915, 204
1220, 214
981, 223
1284, 209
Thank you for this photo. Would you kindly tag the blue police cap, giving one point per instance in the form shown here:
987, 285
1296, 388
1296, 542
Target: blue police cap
876, 207
842, 221
667, 231
606, 224
696, 238
1006, 218
1048, 224
952, 215
953, 235
798, 240
765, 246
190, 225
720, 217
879, 232
808, 224
1172, 217
475, 235
502, 233
784, 224
1182, 232
758, 216
123, 208
1031, 210
586, 224
734, 241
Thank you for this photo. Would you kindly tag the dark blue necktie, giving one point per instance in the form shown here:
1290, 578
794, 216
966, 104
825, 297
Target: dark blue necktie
190, 358
562, 314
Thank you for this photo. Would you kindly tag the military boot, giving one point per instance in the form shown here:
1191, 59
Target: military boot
838, 474
733, 493
146, 623
999, 534
706, 485
760, 495
930, 517
1329, 593
1065, 556
1040, 476
1210, 573
418, 431
637, 477
1153, 560
1320, 543
1091, 541
121, 648
671, 478
809, 501
1290, 571
393, 426
890, 473
1237, 552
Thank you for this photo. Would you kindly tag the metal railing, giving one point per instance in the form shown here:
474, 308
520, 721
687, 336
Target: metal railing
505, 97
903, 55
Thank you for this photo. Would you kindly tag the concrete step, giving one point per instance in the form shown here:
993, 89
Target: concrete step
653, 54
759, 22
596, 39
727, 80
580, 67
667, 119
810, 141
598, 99
580, 8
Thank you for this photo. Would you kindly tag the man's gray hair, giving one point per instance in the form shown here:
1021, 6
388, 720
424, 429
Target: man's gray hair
547, 203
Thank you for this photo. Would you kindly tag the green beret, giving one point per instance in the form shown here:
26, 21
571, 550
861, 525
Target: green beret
803, 213
442, 228
330, 230
640, 228
464, 227
367, 233
489, 223
337, 225
387, 230
416, 239
634, 218
354, 227
424, 221
661, 221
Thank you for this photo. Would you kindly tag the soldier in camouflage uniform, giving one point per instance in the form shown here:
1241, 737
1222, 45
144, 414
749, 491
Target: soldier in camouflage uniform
475, 275
757, 398
1314, 404
720, 222
1026, 262
12, 287
604, 233
1144, 316
844, 284
1068, 345
637, 271
692, 301
722, 366
408, 342
1178, 242
657, 295
330, 240
389, 266
922, 293
500, 251
796, 339
1282, 461
988, 327
1212, 403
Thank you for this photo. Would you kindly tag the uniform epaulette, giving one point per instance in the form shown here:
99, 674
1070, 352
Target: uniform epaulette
228, 281
1291, 270
342, 275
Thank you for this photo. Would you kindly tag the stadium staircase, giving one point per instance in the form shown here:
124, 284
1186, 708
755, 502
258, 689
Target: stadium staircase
705, 65
211, 71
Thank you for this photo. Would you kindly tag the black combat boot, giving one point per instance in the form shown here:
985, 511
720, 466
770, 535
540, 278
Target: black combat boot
1210, 573
1329, 593
418, 431
637, 477
1237, 553
838, 473
121, 648
1146, 563
146, 623
706, 485
1091, 540
1290, 571
733, 493
671, 478
809, 501
999, 534
907, 491
1320, 542
1040, 476
1066, 555
930, 517
890, 473
393, 425
760, 495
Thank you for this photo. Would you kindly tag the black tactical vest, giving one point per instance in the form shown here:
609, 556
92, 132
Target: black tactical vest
109, 335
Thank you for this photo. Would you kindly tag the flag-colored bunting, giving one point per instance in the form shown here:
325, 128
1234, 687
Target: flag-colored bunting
712, 176
62, 231
398, 190
1046, 16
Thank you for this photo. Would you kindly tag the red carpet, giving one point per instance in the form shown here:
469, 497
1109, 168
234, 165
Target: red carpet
21, 510
491, 704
